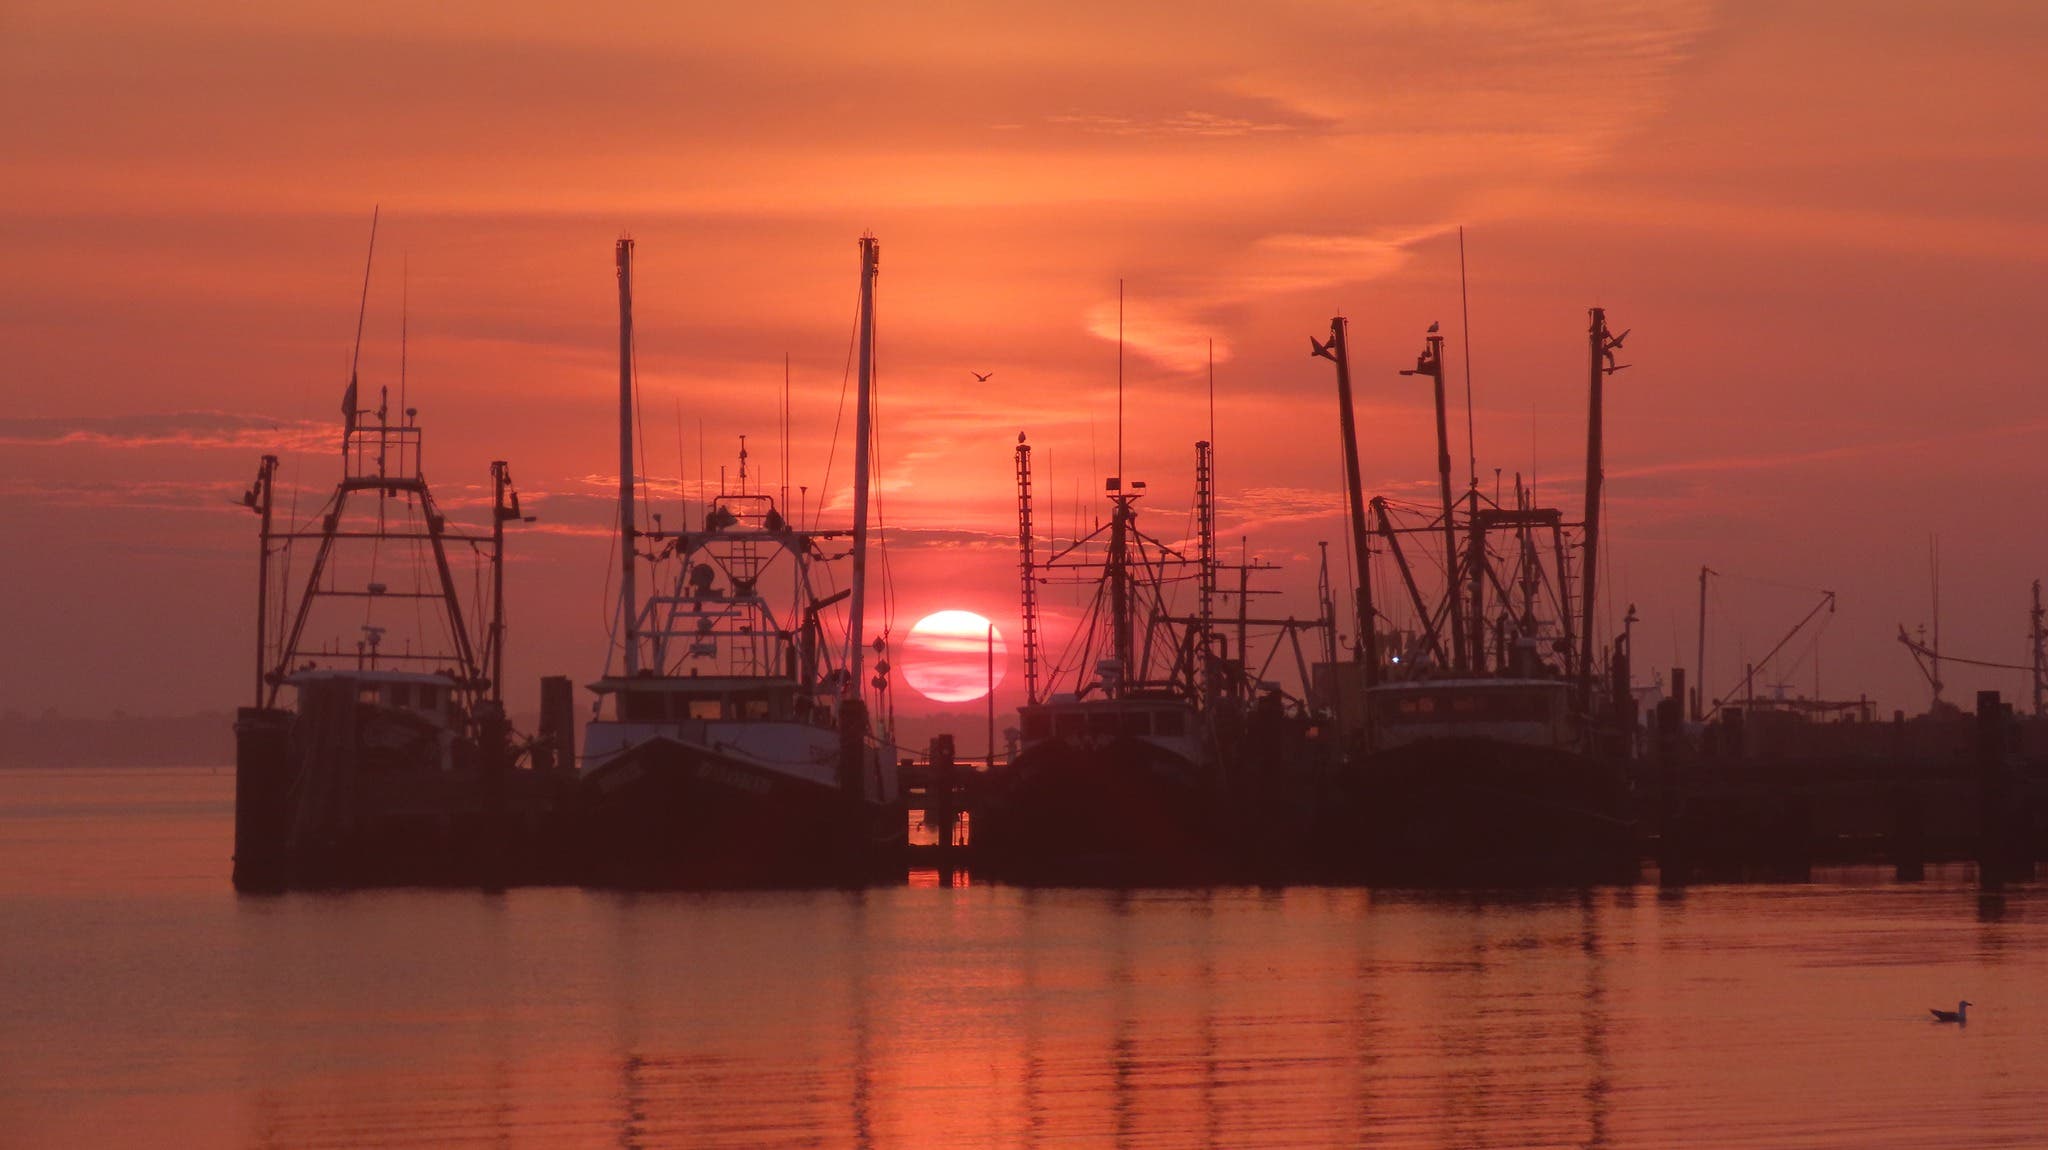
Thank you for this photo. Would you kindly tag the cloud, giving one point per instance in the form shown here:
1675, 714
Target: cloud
1161, 332
126, 494
1191, 123
201, 430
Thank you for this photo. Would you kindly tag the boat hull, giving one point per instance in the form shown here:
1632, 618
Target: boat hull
343, 793
1120, 812
1470, 811
671, 813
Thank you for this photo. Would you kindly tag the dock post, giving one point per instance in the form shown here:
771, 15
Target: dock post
490, 852
1671, 864
1906, 841
262, 789
942, 802
2001, 854
555, 753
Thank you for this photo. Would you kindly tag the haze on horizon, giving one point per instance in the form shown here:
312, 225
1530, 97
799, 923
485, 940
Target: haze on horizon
1822, 222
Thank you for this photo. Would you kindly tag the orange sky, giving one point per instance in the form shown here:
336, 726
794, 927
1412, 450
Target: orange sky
1821, 220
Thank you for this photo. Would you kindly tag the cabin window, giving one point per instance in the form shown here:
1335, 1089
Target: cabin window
401, 695
1037, 725
753, 707
1169, 723
1070, 723
428, 701
367, 693
705, 709
640, 707
1138, 723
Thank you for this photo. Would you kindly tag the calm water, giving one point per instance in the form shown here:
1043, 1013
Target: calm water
142, 1003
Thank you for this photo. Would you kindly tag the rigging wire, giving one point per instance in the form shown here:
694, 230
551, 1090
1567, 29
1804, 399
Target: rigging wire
839, 413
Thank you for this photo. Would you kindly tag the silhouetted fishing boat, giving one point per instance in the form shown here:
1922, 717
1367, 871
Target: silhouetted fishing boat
377, 749
1116, 777
1487, 744
738, 749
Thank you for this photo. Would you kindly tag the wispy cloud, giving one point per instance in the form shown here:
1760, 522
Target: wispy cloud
202, 430
1190, 123
1161, 332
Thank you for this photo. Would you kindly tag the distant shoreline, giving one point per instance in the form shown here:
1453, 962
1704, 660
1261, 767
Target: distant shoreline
203, 739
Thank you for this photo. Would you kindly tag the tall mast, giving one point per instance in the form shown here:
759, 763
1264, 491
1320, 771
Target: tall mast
629, 600
2037, 643
501, 484
1934, 585
1476, 572
1367, 649
1116, 568
260, 499
1431, 363
1699, 695
1601, 348
1026, 567
1205, 528
862, 432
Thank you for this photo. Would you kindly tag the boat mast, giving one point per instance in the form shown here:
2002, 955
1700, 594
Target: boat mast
1601, 348
1116, 569
2037, 642
629, 602
1476, 572
862, 432
1699, 691
1431, 363
501, 483
1027, 570
260, 499
1366, 648
1205, 529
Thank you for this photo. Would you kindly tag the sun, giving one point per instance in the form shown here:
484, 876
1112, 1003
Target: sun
946, 656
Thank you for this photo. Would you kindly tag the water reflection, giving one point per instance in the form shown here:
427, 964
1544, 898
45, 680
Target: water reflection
991, 1016
1208, 1018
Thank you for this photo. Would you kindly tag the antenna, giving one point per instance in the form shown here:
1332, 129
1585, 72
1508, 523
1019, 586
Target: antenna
1465, 329
348, 404
1212, 409
404, 324
1120, 382
785, 433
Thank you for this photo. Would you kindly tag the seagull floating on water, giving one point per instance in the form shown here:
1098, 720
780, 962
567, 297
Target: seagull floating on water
1960, 1014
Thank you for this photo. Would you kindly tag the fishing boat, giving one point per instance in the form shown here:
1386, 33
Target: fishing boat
1487, 742
377, 748
1116, 775
733, 744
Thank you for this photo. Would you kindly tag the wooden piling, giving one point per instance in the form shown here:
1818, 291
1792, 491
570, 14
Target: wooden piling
2003, 854
1672, 866
262, 795
942, 803
555, 749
